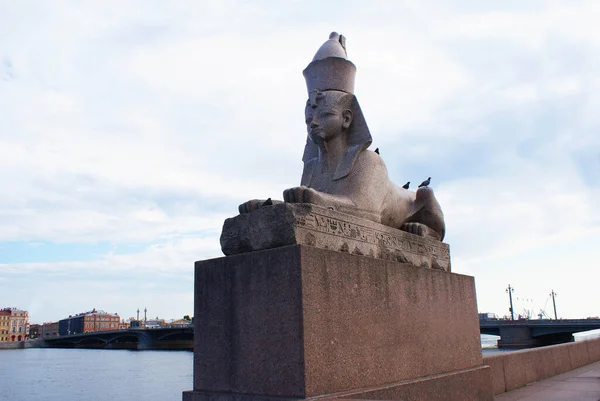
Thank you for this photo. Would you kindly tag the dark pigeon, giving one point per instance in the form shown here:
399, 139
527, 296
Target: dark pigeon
377, 150
425, 183
405, 186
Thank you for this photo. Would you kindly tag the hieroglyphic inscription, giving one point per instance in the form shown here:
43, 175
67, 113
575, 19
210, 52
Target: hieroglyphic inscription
330, 225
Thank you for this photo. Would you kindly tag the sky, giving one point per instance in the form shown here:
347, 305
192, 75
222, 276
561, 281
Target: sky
130, 130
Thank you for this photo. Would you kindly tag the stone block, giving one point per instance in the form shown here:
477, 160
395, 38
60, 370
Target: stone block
561, 357
496, 364
520, 368
307, 224
299, 321
248, 324
466, 385
594, 349
544, 358
578, 352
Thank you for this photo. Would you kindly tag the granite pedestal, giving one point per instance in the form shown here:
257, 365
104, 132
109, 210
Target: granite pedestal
299, 322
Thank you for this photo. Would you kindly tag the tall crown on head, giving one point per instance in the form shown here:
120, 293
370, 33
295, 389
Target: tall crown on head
330, 69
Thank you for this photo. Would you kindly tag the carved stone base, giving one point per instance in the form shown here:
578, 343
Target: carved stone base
301, 322
306, 224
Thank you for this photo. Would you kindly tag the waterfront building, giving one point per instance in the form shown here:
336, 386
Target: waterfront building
35, 331
181, 323
123, 325
18, 324
88, 322
50, 329
155, 323
136, 323
4, 325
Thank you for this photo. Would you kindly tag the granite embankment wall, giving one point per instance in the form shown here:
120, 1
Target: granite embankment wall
23, 344
515, 369
12, 345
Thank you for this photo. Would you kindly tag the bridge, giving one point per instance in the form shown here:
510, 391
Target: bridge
533, 333
168, 338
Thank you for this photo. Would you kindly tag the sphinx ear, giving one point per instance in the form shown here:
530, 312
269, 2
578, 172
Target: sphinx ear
347, 117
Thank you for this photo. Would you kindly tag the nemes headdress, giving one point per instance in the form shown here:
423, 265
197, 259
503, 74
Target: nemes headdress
330, 70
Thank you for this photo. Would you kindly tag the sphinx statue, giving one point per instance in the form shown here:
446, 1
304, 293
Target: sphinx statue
340, 172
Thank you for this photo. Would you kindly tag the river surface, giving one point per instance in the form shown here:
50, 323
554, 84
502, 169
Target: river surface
38, 374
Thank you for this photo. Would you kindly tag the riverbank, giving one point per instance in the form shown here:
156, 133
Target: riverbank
12, 345
38, 343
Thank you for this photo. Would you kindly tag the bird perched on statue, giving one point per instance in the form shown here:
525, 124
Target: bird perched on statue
377, 150
425, 183
405, 186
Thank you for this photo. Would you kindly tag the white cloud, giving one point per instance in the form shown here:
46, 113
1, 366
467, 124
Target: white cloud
133, 123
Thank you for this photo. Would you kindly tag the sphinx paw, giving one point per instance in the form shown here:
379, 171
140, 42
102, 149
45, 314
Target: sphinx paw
300, 194
414, 228
250, 206
421, 230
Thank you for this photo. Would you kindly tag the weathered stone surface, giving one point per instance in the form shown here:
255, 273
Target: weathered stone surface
339, 171
513, 370
306, 224
579, 355
464, 385
593, 350
299, 321
496, 364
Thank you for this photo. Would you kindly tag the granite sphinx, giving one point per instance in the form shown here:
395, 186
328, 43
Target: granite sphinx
340, 172
343, 289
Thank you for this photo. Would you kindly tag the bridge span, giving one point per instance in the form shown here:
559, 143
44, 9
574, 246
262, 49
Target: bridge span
169, 338
532, 333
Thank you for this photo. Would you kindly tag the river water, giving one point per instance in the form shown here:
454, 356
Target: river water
38, 374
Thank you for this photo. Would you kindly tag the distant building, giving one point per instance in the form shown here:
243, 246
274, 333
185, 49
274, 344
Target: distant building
136, 324
181, 323
88, 322
35, 331
123, 325
4, 325
50, 329
488, 316
155, 323
18, 324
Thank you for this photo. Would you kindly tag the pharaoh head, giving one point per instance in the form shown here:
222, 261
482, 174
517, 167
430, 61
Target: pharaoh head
332, 109
328, 115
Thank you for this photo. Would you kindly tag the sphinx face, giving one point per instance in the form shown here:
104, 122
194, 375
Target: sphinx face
326, 116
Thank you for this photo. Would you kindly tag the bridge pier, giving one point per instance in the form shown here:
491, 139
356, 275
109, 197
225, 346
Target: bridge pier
145, 341
557, 338
517, 337
536, 333
521, 337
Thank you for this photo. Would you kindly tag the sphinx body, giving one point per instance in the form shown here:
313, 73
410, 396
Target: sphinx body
339, 171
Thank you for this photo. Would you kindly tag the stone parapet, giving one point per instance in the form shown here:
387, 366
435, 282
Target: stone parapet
307, 224
513, 370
